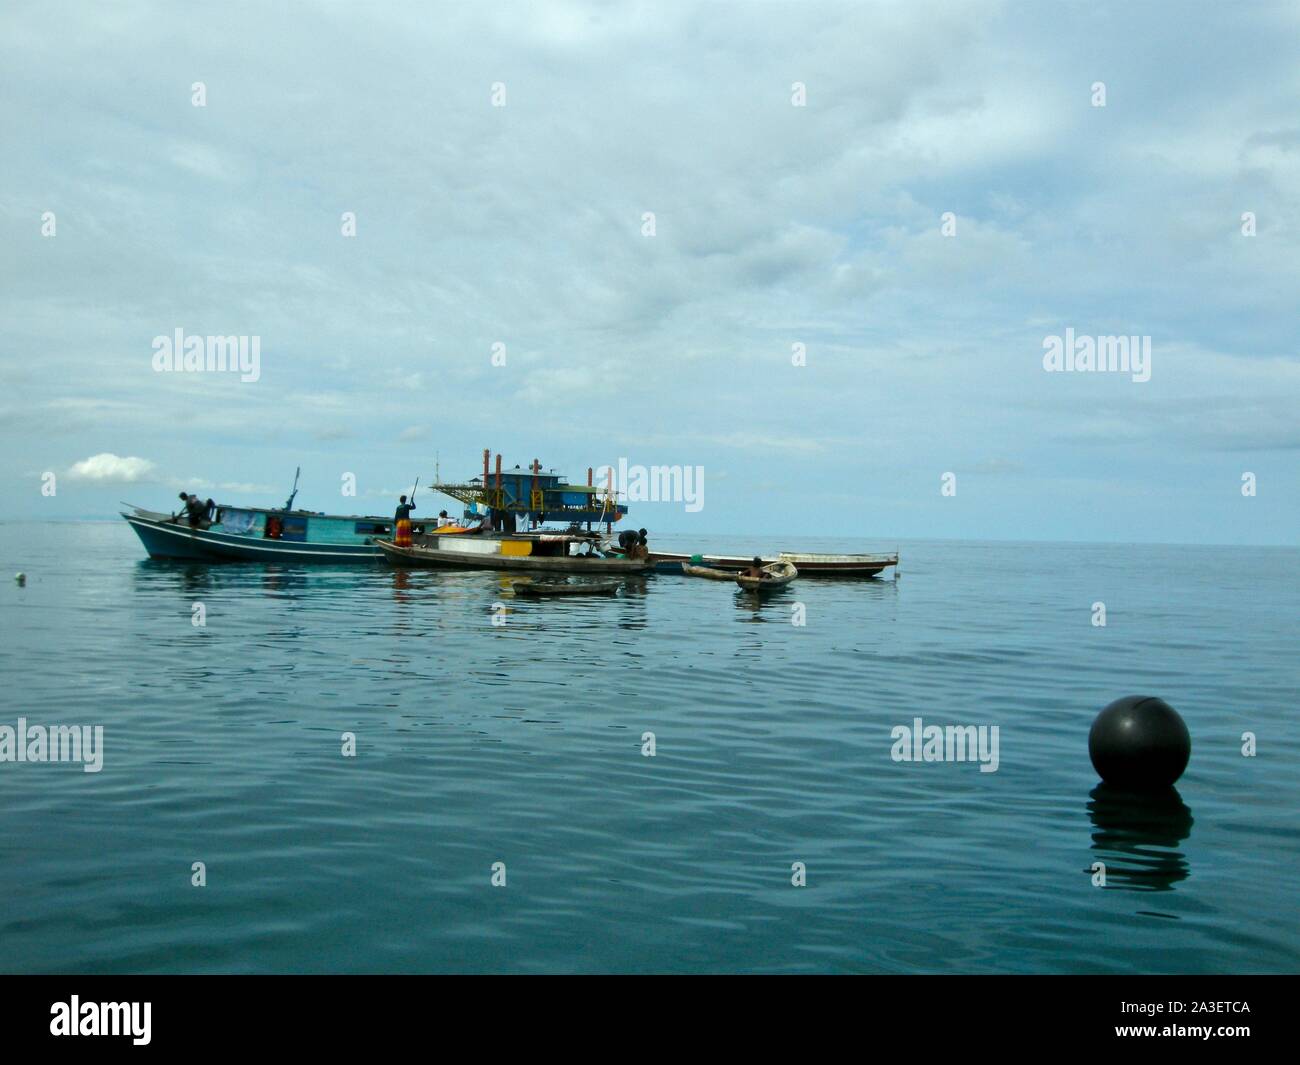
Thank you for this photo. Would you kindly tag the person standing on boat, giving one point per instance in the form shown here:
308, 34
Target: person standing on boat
402, 523
195, 509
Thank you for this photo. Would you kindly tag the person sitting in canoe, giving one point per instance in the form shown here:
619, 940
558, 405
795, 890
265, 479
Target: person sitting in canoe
756, 569
402, 523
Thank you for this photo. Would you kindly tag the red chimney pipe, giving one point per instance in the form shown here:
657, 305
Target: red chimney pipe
536, 466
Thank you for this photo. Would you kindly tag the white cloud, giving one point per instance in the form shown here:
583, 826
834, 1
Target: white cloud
107, 468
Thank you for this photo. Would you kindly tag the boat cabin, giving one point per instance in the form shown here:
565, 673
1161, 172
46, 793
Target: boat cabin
305, 526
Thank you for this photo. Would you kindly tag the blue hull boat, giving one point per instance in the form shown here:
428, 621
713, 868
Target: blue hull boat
254, 534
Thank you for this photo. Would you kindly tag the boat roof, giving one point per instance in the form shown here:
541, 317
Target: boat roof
317, 513
289, 513
549, 475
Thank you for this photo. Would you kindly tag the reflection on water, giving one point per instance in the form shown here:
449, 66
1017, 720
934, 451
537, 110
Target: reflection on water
191, 578
1136, 835
401, 585
760, 607
635, 586
787, 604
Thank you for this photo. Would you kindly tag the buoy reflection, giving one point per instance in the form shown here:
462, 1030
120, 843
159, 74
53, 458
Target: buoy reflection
1136, 835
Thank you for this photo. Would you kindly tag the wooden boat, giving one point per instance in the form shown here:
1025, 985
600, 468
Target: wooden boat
809, 564
707, 572
263, 534
823, 565
777, 575
535, 553
543, 589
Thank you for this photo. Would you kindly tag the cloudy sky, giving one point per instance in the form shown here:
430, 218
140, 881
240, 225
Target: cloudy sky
127, 212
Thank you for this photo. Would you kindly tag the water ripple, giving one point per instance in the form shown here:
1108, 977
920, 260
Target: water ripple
523, 743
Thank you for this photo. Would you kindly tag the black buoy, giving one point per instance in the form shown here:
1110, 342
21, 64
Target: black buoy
1139, 742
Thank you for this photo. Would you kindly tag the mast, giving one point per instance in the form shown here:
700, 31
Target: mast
288, 505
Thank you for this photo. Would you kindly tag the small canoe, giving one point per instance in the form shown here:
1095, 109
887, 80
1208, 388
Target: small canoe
540, 589
707, 572
810, 565
777, 575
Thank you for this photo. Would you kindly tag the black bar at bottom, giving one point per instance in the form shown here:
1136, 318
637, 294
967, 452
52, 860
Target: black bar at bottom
338, 1014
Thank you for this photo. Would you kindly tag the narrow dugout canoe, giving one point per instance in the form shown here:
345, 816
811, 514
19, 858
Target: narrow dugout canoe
707, 572
809, 565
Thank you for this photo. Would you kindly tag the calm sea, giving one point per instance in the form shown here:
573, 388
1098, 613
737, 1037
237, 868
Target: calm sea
522, 743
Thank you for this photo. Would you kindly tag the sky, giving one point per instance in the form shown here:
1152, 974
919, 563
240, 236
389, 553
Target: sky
816, 251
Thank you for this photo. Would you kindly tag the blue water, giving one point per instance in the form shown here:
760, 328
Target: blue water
522, 743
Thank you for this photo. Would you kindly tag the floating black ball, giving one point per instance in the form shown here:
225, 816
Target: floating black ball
1139, 741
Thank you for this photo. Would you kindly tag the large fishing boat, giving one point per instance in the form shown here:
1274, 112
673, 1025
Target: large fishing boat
257, 534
